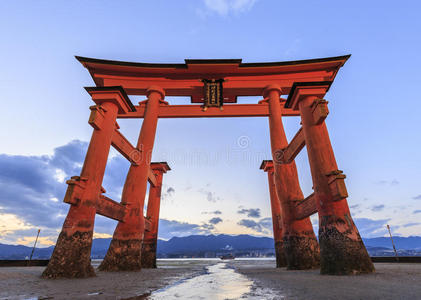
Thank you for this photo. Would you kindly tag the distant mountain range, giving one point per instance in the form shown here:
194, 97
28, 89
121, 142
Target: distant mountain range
205, 245
406, 243
195, 243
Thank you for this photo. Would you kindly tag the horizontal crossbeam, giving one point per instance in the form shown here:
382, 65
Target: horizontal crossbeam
294, 147
133, 155
104, 206
122, 145
109, 208
151, 177
196, 111
306, 208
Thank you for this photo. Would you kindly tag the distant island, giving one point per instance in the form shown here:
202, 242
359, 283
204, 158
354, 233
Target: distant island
209, 246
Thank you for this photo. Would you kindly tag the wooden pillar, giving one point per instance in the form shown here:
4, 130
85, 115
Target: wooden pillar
267, 166
341, 248
300, 244
154, 202
124, 253
72, 253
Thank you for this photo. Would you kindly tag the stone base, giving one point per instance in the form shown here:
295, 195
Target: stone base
301, 252
123, 255
71, 257
342, 253
280, 255
149, 256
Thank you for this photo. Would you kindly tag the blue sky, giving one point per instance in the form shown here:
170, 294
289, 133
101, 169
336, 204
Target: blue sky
215, 185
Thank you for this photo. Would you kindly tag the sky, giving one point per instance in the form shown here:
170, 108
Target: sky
215, 185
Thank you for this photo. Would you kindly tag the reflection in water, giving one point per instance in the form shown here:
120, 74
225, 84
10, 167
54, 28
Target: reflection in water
219, 283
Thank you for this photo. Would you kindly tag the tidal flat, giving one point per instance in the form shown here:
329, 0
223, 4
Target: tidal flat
215, 279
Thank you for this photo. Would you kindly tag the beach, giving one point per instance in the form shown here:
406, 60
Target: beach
391, 281
26, 282
215, 279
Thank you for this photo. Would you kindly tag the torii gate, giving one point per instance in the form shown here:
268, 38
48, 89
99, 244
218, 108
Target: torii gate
215, 84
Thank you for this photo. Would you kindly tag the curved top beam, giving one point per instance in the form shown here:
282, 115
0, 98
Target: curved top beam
184, 79
87, 61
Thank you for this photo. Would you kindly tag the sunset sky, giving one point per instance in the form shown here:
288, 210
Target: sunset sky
215, 185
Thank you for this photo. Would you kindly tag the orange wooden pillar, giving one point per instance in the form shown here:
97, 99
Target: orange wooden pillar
124, 252
275, 204
300, 244
154, 202
72, 254
341, 247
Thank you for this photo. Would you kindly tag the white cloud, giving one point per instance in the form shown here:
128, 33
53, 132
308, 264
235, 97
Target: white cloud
41, 242
264, 225
171, 228
224, 7
98, 235
60, 175
369, 228
10, 223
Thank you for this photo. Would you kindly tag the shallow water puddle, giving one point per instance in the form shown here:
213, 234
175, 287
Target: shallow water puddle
219, 283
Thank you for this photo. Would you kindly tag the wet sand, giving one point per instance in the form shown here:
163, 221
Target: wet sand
219, 282
391, 281
216, 279
26, 282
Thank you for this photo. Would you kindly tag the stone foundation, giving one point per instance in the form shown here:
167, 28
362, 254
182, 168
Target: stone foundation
280, 255
71, 257
342, 253
301, 252
123, 255
149, 256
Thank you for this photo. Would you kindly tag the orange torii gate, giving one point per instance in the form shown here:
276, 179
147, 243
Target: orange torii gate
215, 84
